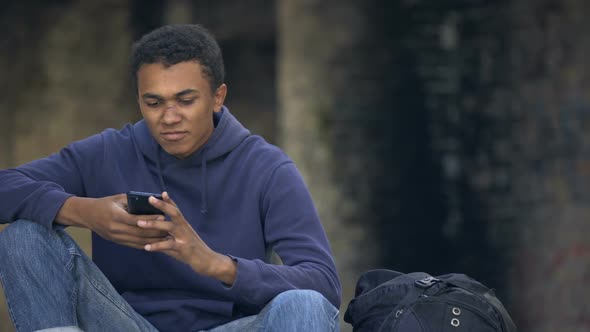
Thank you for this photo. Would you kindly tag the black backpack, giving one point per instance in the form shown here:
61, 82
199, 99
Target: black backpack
390, 301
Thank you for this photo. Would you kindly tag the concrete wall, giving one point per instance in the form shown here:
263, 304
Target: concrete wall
64, 78
507, 85
442, 136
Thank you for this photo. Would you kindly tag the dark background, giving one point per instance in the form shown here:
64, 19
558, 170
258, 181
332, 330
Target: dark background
435, 135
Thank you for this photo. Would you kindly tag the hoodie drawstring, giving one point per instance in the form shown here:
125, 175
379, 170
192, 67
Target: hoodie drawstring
204, 206
204, 210
160, 174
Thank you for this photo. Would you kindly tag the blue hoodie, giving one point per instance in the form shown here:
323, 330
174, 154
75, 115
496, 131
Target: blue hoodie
242, 196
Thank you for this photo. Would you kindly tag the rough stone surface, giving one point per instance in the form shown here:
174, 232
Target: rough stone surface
507, 83
435, 135
64, 78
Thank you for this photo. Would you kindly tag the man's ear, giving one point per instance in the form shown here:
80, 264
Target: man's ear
219, 96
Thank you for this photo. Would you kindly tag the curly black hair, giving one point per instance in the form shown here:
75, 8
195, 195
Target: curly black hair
172, 44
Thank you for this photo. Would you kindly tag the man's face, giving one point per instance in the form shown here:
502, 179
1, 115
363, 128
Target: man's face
177, 105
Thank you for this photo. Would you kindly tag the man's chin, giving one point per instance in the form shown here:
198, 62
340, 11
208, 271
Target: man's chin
175, 151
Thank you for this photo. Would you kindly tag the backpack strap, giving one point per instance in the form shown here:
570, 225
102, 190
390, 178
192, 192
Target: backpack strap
425, 285
474, 287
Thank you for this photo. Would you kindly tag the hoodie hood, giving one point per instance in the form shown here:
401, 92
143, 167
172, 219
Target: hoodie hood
226, 136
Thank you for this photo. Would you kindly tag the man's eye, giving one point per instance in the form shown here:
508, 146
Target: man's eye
152, 103
186, 101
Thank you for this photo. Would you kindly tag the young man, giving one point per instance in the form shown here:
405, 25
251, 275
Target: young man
228, 197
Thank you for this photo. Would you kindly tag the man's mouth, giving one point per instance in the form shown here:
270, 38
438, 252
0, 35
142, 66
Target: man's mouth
173, 136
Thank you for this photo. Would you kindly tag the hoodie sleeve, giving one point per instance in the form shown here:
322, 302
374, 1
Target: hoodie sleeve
292, 228
37, 190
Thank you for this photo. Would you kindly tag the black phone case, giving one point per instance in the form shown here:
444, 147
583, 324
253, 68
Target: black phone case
137, 203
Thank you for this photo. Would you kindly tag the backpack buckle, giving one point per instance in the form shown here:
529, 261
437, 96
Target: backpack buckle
426, 282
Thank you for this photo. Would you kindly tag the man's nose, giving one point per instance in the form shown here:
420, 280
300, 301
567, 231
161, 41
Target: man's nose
171, 114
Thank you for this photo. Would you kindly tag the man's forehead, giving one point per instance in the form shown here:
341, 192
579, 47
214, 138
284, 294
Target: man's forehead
160, 79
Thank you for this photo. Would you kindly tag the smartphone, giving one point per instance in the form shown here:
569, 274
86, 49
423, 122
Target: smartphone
137, 203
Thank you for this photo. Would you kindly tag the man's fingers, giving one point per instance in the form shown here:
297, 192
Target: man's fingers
152, 233
120, 198
137, 242
135, 231
149, 217
167, 198
168, 244
165, 226
131, 219
166, 207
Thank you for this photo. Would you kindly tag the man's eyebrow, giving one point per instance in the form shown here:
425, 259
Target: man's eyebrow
186, 92
178, 94
151, 95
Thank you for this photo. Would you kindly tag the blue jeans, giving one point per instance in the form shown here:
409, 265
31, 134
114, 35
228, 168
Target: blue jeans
50, 284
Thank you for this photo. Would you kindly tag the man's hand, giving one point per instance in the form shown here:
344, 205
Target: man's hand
184, 244
108, 218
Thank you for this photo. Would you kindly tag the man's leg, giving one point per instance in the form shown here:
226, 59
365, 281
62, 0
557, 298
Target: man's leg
295, 310
50, 283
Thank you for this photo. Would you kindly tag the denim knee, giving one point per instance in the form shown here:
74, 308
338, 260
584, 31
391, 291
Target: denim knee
305, 300
296, 310
20, 232
302, 296
23, 240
